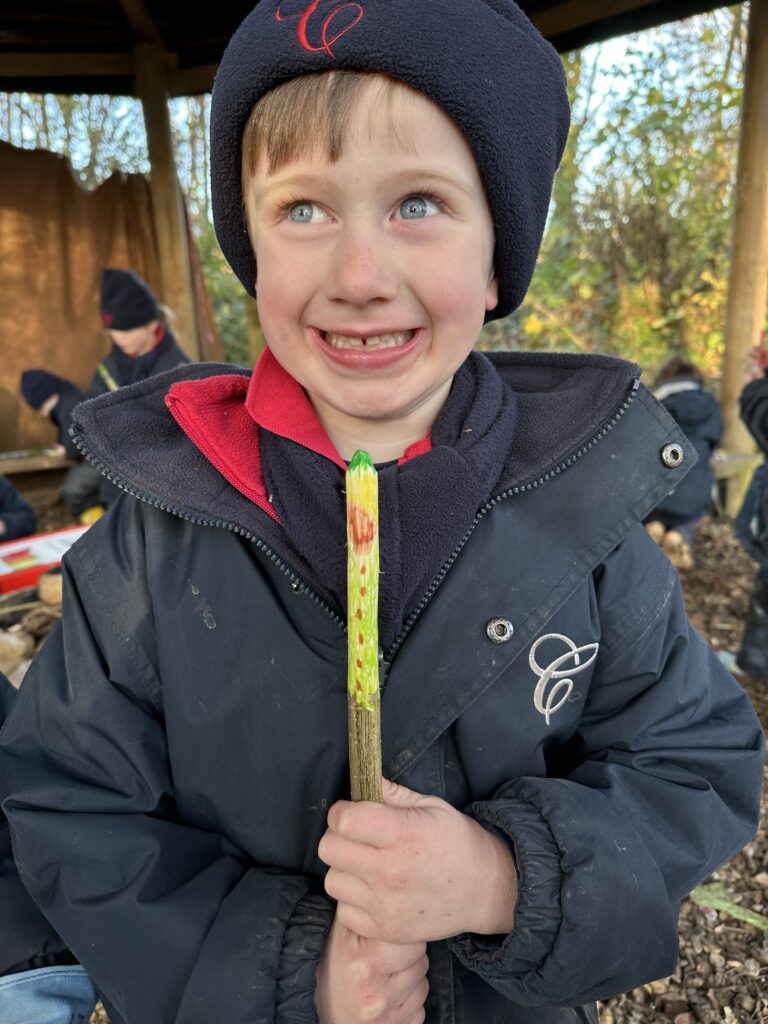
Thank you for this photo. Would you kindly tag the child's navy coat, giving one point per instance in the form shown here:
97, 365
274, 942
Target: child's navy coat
697, 413
169, 765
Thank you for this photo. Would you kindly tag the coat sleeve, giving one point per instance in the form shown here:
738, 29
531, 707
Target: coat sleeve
173, 923
26, 938
19, 519
659, 786
753, 405
69, 399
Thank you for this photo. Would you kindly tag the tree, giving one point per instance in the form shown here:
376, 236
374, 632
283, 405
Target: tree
636, 254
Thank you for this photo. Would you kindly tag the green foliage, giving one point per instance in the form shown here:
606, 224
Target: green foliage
226, 294
636, 256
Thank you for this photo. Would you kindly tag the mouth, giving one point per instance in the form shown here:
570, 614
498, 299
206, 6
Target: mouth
368, 343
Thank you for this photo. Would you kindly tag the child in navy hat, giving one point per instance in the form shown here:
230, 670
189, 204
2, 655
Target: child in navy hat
56, 398
142, 345
142, 342
564, 757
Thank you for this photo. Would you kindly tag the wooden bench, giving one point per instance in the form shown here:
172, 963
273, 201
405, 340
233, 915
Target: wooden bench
36, 473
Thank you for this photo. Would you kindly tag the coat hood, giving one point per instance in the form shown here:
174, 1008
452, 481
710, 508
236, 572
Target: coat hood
687, 402
563, 401
565, 405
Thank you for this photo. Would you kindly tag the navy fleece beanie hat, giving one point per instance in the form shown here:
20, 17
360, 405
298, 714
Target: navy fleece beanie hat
126, 301
482, 61
37, 386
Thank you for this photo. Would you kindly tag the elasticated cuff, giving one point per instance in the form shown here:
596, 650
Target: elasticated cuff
303, 944
538, 913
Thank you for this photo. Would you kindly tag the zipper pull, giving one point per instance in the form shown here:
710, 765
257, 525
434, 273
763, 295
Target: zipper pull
384, 667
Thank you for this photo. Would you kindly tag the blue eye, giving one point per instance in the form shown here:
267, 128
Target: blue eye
416, 208
304, 213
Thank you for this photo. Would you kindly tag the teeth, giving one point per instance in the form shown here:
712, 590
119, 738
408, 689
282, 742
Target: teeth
374, 341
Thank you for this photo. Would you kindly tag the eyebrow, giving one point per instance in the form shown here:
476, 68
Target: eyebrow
309, 181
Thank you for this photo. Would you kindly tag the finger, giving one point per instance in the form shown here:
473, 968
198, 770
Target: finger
348, 889
358, 921
414, 1003
400, 796
402, 985
347, 855
390, 958
418, 1018
373, 824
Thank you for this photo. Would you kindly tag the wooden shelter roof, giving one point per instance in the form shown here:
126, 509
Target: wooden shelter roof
85, 46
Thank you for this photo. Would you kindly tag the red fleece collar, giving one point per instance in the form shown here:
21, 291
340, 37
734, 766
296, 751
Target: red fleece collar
278, 403
222, 416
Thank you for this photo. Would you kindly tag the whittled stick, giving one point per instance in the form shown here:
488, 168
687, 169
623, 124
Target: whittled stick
363, 628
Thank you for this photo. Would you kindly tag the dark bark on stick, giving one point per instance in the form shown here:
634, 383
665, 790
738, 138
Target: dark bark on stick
365, 751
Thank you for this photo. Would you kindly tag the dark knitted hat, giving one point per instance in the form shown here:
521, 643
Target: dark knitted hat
482, 61
37, 386
126, 301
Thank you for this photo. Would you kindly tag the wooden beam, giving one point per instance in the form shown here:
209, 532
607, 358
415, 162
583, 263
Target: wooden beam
178, 289
192, 81
748, 284
565, 17
66, 65
144, 28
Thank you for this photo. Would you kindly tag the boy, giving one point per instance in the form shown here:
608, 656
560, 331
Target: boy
679, 386
751, 522
567, 758
142, 345
56, 398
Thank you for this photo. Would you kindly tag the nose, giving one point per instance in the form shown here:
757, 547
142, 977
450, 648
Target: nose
362, 267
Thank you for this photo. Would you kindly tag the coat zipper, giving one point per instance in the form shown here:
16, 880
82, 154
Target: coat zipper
385, 660
296, 582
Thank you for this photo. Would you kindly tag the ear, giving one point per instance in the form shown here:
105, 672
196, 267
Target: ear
492, 293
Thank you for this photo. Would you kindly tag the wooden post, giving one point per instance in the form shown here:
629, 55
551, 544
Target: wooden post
748, 284
178, 291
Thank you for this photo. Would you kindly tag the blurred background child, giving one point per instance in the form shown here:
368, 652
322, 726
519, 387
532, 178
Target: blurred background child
679, 386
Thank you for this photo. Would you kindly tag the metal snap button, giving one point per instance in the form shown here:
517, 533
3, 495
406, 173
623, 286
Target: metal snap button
672, 455
499, 631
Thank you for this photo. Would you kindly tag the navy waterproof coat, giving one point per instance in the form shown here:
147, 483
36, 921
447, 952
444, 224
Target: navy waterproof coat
168, 766
27, 940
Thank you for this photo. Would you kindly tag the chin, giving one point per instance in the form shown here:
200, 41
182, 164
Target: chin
372, 411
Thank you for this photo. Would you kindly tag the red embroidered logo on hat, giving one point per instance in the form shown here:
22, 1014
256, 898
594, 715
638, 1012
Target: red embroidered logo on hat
107, 319
326, 38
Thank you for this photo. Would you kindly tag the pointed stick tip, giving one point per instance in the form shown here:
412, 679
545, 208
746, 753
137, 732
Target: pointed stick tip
360, 460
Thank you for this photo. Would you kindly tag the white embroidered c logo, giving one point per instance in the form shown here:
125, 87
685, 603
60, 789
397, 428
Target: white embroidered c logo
548, 703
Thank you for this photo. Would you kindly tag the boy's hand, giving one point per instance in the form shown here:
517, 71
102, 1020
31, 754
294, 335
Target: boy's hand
363, 980
416, 869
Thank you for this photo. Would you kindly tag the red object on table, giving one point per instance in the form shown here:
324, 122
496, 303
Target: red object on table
23, 561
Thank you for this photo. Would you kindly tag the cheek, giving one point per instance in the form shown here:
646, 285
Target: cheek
458, 294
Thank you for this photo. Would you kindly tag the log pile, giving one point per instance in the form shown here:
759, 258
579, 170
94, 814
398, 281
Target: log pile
26, 618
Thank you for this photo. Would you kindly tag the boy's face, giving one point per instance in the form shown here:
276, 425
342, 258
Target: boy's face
375, 272
138, 341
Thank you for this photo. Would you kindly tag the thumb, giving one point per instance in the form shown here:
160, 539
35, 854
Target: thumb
401, 796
